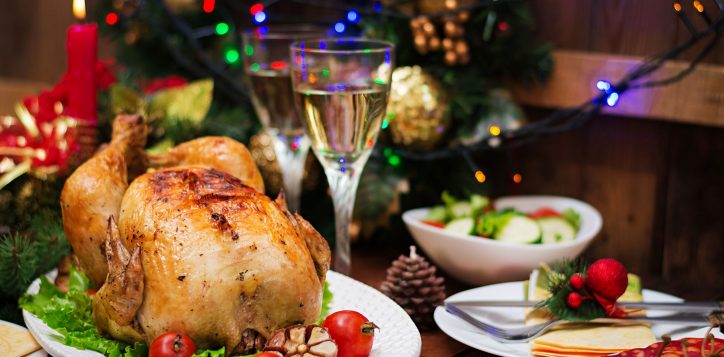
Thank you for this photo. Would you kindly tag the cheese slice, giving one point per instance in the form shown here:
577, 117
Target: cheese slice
16, 341
597, 337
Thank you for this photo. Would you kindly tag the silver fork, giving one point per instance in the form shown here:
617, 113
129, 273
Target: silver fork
527, 333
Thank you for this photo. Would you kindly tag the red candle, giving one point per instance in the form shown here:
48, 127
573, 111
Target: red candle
82, 46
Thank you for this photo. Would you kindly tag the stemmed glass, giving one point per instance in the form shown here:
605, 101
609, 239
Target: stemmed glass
266, 62
340, 89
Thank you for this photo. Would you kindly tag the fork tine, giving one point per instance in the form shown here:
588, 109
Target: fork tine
522, 334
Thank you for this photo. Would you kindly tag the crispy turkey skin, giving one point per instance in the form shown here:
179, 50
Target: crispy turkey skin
218, 259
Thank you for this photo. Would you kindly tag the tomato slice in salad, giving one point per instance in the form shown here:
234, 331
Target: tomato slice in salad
544, 212
434, 223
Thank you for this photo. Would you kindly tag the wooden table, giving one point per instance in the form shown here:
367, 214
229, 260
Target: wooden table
369, 265
370, 262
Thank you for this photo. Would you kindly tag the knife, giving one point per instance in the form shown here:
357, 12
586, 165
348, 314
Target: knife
703, 307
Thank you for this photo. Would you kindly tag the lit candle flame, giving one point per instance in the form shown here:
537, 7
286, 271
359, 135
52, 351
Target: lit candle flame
79, 9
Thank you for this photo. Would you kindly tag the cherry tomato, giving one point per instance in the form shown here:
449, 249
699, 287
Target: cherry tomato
434, 223
544, 212
172, 344
352, 331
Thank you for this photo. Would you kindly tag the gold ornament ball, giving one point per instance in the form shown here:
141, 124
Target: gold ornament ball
447, 44
416, 109
421, 43
261, 147
428, 28
463, 16
433, 43
451, 29
451, 58
451, 4
461, 48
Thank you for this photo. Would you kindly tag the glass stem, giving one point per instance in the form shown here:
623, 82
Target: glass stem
344, 188
292, 155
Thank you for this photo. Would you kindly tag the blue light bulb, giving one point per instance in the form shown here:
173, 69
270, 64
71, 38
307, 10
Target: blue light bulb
352, 16
612, 99
603, 85
260, 17
339, 27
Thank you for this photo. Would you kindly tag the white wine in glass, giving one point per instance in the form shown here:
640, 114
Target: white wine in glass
266, 62
341, 88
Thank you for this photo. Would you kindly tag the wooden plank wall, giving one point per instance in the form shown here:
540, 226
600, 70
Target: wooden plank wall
659, 185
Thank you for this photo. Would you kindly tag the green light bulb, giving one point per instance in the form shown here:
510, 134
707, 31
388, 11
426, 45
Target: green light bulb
222, 28
232, 55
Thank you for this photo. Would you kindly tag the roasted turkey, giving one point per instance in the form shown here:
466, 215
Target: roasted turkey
193, 249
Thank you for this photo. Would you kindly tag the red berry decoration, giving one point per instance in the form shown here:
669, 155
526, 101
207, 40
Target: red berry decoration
574, 300
607, 278
576, 281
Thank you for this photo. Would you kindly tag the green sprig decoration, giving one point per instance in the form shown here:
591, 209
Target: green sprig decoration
23, 257
559, 277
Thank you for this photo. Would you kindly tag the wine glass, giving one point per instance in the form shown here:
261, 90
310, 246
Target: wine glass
340, 89
266, 64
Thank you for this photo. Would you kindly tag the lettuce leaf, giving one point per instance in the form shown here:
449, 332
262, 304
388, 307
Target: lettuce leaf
490, 223
71, 315
326, 301
572, 217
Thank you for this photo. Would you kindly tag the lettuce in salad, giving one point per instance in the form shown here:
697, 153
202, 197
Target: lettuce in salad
70, 314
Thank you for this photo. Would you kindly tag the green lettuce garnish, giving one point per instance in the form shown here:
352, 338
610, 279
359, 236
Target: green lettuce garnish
71, 315
573, 218
492, 222
326, 301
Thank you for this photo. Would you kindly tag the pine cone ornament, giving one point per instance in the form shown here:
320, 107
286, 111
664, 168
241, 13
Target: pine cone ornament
412, 283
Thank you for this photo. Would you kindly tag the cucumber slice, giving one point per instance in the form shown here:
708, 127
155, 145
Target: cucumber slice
437, 214
556, 229
460, 210
478, 203
461, 225
520, 229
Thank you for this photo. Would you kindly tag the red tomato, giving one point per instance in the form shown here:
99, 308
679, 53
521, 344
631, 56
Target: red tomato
172, 344
544, 212
434, 223
91, 292
352, 331
267, 354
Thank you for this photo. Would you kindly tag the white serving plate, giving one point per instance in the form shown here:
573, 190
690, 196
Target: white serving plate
479, 261
509, 317
397, 336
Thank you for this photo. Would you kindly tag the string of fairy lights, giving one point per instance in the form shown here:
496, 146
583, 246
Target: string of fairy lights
559, 121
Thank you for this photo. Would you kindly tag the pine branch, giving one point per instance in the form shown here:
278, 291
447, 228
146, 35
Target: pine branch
23, 257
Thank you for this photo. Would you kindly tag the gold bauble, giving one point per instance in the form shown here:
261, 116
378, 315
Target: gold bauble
461, 48
177, 6
447, 44
416, 109
451, 58
261, 147
451, 29
420, 43
433, 43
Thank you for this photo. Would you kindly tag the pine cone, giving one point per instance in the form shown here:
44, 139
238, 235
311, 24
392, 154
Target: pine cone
412, 283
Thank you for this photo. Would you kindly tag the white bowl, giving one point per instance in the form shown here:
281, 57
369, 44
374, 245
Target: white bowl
480, 261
